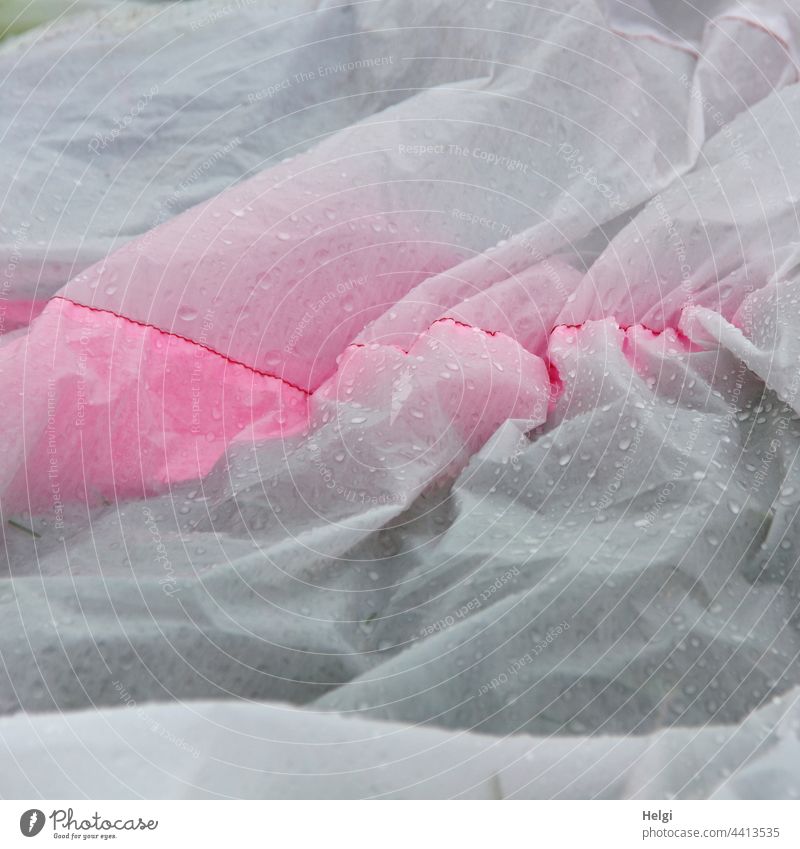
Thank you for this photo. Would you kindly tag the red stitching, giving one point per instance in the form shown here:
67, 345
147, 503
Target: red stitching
551, 366
185, 339
762, 28
659, 39
464, 324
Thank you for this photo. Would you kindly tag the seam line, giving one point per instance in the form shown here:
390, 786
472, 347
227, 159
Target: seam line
208, 348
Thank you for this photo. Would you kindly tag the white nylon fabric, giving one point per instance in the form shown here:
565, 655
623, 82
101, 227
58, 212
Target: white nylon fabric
528, 527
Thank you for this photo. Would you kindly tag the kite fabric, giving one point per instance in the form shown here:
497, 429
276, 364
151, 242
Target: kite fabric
400, 398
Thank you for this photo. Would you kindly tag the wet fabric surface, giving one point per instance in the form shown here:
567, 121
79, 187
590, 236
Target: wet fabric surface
401, 372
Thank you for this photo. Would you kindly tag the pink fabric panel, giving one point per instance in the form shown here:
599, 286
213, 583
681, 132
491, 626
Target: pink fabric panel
123, 409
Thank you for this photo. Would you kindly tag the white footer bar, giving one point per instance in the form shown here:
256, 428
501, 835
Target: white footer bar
401, 825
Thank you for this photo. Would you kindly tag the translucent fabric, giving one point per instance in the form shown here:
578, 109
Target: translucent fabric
400, 399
